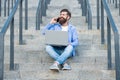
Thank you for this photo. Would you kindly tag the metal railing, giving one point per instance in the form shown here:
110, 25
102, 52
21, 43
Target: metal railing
110, 26
116, 2
0, 7
10, 22
88, 14
26, 14
41, 11
86, 11
113, 1
8, 5
39, 15
98, 13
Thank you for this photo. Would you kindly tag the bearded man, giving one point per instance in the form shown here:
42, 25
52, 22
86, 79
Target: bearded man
62, 23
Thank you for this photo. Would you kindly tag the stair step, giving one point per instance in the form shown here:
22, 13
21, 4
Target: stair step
74, 11
42, 72
64, 3
45, 66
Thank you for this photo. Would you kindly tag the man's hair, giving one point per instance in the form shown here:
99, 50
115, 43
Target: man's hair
66, 10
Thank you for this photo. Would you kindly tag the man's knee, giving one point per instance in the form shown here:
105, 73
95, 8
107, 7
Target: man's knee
69, 48
48, 47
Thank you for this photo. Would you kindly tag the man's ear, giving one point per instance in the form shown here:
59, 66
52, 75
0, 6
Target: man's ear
68, 17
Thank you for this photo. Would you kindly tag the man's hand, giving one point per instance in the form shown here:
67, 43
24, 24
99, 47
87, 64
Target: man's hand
53, 20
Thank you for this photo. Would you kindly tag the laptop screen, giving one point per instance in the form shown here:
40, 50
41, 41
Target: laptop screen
53, 37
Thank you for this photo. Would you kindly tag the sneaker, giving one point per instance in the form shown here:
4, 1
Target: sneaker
66, 67
54, 67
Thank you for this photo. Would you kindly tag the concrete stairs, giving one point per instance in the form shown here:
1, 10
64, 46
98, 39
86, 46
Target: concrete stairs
32, 62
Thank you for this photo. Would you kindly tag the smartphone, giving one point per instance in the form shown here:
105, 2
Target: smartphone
58, 19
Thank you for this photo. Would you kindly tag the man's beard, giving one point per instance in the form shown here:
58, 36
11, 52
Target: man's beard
61, 20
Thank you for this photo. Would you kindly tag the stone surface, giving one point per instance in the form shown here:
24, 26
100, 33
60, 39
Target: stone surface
31, 60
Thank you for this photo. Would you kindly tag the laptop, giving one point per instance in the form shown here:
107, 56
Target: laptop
56, 38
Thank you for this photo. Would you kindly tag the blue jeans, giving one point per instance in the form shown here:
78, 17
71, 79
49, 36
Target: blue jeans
60, 54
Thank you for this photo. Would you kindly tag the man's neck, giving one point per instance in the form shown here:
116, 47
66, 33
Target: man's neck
65, 24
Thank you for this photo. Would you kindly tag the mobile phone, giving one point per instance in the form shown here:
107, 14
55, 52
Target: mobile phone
58, 19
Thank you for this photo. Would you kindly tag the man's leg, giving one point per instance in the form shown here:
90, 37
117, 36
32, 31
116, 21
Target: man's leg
51, 51
66, 53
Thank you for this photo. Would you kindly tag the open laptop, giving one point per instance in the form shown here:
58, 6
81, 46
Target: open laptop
54, 38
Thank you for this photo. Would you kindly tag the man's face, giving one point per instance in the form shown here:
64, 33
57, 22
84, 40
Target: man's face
64, 15
63, 18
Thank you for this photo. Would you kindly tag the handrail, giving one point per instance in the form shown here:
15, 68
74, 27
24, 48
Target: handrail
116, 4
0, 7
86, 11
39, 15
9, 21
41, 11
113, 1
114, 28
98, 17
110, 25
119, 7
89, 15
26, 14
5, 7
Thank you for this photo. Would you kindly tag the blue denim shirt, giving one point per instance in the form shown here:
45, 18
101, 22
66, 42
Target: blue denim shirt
73, 36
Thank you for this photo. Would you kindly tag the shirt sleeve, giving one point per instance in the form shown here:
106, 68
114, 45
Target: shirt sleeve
47, 27
74, 38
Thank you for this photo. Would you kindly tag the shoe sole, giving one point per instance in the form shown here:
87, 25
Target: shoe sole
55, 70
66, 69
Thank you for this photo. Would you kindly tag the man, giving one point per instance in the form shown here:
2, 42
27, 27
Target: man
62, 23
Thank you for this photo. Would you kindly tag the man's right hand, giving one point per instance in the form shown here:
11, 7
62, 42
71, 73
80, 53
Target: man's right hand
53, 20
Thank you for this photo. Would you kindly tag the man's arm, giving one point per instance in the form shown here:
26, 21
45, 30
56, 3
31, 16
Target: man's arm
48, 26
74, 38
